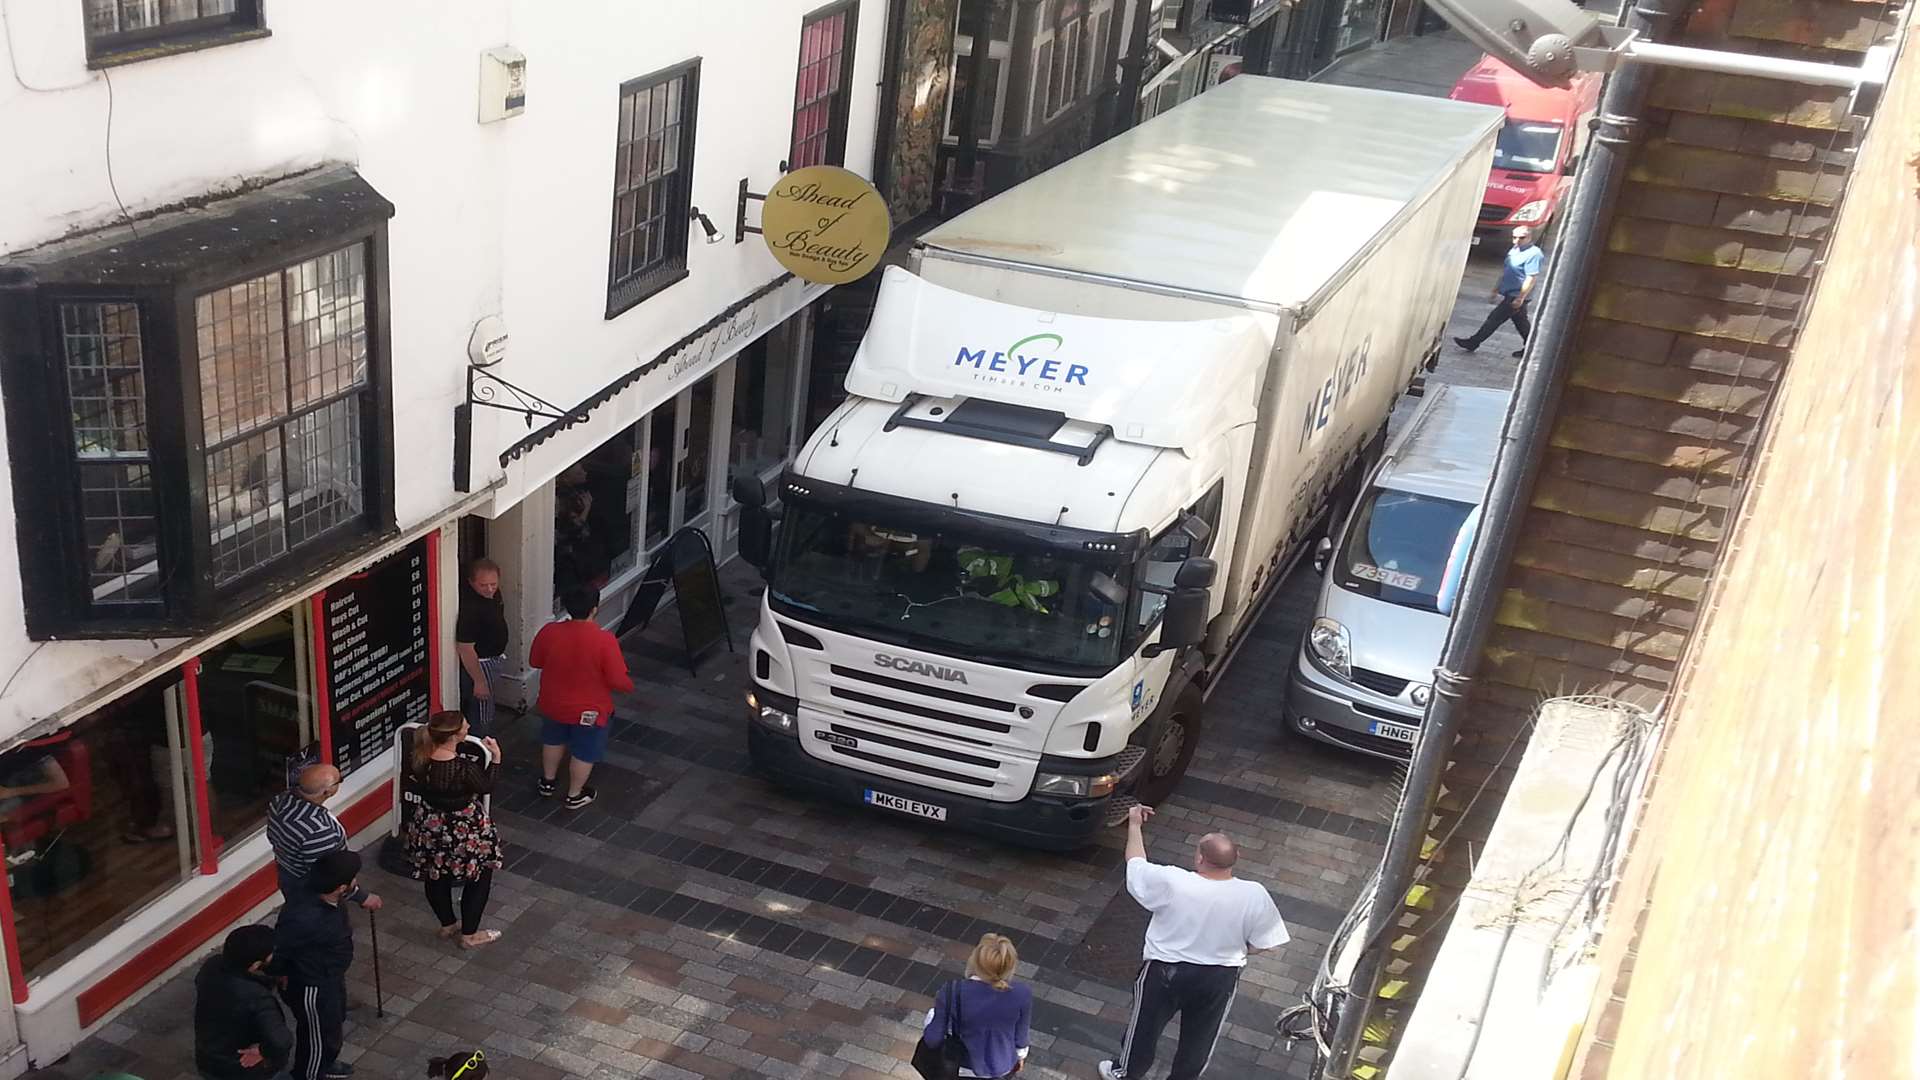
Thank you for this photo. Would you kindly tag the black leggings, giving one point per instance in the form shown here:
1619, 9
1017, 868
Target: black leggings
473, 901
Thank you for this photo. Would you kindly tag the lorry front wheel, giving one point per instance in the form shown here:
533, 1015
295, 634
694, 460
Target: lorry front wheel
1170, 749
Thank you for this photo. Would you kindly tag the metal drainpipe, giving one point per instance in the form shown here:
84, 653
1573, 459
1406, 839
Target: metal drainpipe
1523, 442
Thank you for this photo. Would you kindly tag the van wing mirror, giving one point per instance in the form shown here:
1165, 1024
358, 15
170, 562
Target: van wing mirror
1321, 552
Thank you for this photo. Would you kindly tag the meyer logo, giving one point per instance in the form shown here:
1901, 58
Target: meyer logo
916, 667
1326, 401
1026, 364
836, 739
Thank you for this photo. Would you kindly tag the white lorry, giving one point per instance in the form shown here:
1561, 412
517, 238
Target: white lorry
1083, 443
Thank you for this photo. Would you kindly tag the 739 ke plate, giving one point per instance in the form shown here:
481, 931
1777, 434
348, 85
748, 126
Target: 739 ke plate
906, 806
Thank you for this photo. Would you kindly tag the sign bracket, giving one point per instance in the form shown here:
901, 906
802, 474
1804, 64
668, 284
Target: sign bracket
740, 226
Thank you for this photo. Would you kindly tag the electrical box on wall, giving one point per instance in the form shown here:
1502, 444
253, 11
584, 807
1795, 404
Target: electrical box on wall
503, 83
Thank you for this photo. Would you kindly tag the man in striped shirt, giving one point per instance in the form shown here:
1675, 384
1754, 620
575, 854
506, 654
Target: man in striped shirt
301, 829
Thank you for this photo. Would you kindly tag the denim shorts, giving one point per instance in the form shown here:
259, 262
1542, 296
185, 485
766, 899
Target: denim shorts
586, 742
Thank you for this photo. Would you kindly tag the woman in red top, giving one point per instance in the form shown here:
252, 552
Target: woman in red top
581, 668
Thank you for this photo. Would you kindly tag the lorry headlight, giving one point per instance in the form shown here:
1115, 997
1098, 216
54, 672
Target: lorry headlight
1532, 211
773, 711
1328, 643
1421, 694
1078, 785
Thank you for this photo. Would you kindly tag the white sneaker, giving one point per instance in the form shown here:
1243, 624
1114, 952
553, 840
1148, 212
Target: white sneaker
1110, 1071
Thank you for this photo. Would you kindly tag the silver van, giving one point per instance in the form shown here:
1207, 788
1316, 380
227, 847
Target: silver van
1393, 569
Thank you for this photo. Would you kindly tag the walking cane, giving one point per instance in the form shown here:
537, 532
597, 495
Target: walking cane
379, 999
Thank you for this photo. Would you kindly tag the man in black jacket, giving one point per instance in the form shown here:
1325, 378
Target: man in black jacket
239, 1032
312, 949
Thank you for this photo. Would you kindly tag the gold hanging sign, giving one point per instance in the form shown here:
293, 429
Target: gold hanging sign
825, 224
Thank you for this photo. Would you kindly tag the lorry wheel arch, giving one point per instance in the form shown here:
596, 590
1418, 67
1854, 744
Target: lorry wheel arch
1170, 740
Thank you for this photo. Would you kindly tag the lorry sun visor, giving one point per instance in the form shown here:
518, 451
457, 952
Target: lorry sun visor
1013, 534
997, 421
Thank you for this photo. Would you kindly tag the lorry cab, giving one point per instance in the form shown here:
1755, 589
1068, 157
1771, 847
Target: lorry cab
1538, 149
1393, 571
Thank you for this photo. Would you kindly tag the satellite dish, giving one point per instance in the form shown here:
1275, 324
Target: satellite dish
1536, 38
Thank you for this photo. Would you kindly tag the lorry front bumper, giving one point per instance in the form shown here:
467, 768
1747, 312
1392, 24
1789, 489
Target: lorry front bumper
1323, 707
1038, 821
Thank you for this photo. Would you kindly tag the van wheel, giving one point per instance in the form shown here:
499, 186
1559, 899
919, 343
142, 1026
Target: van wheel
1170, 749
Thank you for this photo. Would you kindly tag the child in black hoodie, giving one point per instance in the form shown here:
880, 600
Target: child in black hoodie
312, 949
239, 1032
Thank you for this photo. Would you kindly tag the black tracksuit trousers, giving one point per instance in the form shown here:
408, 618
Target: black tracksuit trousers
1199, 994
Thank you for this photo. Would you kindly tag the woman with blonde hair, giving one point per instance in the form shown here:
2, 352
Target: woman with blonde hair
450, 838
987, 1012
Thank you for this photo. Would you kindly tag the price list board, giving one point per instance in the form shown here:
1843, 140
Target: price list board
377, 655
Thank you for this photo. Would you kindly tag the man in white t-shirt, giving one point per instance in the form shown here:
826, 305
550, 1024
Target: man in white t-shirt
1205, 922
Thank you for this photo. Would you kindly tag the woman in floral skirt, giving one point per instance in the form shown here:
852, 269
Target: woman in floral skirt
450, 839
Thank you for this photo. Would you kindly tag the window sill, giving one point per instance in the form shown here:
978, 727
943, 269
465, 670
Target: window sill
641, 289
120, 56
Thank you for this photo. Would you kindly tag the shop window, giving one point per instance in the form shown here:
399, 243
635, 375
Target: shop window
256, 719
97, 821
203, 430
987, 118
659, 514
763, 393
652, 185
1102, 50
1042, 79
593, 518
125, 30
821, 94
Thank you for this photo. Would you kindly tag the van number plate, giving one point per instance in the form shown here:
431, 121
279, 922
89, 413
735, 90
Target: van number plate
1398, 732
906, 806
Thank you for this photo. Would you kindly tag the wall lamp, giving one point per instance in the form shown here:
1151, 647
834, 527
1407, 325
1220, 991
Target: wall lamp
706, 225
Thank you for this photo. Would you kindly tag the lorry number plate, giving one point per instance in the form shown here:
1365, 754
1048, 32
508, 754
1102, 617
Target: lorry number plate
1397, 732
906, 806
837, 739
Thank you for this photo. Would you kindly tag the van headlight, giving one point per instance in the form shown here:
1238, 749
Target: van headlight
775, 712
1327, 642
1532, 211
1077, 785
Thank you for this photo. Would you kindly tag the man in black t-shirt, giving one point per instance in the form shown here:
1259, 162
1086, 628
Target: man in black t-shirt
480, 639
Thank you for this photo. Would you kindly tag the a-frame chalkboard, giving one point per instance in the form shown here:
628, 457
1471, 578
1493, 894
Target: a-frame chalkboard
685, 561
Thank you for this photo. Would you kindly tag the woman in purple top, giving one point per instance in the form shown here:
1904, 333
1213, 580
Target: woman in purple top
993, 1014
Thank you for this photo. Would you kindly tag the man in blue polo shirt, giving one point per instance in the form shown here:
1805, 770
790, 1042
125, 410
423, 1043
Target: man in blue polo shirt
1525, 260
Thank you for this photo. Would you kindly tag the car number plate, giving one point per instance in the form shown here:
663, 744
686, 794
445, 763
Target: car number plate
906, 806
1399, 732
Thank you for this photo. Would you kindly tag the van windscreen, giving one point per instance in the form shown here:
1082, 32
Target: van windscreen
1527, 146
1399, 545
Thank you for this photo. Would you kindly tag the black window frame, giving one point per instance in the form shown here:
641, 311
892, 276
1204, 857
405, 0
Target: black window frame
628, 290
842, 98
54, 553
245, 22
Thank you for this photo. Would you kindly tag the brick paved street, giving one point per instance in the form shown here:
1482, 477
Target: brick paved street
694, 922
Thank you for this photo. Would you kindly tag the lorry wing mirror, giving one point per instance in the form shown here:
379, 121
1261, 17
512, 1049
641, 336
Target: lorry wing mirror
1106, 590
1321, 551
1196, 574
756, 521
1197, 530
749, 490
1184, 621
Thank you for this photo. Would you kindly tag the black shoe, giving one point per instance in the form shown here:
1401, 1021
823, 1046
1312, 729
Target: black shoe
1465, 344
576, 802
546, 789
1518, 353
339, 1070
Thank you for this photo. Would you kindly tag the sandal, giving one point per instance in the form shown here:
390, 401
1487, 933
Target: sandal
483, 938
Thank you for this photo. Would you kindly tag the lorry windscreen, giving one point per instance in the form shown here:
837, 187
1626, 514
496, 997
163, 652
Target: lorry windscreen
1527, 146
1399, 546
948, 592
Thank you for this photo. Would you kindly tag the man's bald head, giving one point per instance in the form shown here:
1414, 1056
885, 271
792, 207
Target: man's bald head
318, 781
1216, 852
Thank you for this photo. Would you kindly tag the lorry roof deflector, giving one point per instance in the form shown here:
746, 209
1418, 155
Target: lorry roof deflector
1229, 189
1171, 385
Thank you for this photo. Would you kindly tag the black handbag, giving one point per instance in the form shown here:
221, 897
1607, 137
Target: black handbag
945, 1061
